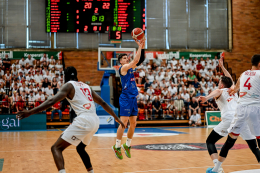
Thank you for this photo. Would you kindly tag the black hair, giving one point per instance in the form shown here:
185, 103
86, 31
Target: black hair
70, 74
255, 60
121, 56
226, 81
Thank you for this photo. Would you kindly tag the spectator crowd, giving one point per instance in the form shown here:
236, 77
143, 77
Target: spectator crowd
169, 89
26, 83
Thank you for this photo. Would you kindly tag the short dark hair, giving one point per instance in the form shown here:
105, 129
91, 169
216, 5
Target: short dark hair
226, 81
121, 56
70, 74
255, 60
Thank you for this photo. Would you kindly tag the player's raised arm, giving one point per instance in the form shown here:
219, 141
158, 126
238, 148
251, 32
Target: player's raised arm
226, 73
64, 92
136, 59
107, 108
234, 89
215, 93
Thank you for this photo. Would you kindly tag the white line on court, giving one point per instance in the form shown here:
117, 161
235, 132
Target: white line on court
189, 168
50, 150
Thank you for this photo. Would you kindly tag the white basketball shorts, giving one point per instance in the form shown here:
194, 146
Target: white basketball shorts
222, 130
82, 129
246, 117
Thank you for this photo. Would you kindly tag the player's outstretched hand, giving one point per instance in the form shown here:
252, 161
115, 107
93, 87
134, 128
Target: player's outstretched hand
23, 114
141, 43
120, 122
221, 62
202, 99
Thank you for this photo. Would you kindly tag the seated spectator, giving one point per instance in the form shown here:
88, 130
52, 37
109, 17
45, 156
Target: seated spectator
163, 84
146, 84
201, 93
202, 61
157, 108
2, 73
199, 77
31, 70
46, 83
150, 77
198, 66
24, 88
191, 90
31, 100
159, 77
40, 95
154, 84
29, 76
38, 102
173, 61
179, 106
59, 65
38, 77
196, 83
172, 89
204, 72
14, 72
6, 62
182, 60
191, 78
20, 105
205, 106
136, 75
157, 61
171, 108
142, 75
193, 66
30, 60
210, 83
5, 105
195, 119
213, 105
56, 109
165, 91
164, 108
203, 82
215, 61
148, 109
186, 66
186, 98
157, 91
150, 91
206, 89
214, 87
44, 59
194, 107
49, 91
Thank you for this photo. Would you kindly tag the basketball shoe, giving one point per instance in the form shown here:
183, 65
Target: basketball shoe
127, 150
117, 152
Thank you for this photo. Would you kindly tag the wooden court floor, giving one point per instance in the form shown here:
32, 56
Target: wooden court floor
29, 152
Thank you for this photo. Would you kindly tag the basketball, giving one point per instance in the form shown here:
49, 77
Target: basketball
137, 34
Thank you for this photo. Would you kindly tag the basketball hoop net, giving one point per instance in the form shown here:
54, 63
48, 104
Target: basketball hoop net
116, 67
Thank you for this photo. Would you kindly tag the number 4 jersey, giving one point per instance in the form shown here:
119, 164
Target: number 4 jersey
249, 87
82, 102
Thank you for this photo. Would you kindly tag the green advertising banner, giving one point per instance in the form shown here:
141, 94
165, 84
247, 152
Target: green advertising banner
213, 118
9, 122
35, 55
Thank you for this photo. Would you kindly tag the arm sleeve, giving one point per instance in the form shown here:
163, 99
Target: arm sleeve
141, 58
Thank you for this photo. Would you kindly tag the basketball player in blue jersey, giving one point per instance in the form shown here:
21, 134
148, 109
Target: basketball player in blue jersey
127, 99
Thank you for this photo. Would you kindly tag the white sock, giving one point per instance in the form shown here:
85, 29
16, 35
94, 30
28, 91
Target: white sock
118, 143
215, 161
92, 171
217, 166
62, 171
128, 142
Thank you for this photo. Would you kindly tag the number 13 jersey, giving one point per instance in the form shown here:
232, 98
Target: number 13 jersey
82, 102
249, 87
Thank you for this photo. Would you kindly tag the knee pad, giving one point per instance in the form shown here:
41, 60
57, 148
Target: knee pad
211, 140
227, 146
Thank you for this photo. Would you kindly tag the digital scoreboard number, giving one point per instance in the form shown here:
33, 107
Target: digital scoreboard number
94, 16
115, 34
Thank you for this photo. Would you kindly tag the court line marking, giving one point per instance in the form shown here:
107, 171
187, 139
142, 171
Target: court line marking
50, 150
188, 168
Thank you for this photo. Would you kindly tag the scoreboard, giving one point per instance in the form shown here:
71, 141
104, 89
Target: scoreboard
94, 16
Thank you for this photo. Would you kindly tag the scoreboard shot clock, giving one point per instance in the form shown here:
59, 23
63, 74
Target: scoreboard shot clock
94, 16
115, 35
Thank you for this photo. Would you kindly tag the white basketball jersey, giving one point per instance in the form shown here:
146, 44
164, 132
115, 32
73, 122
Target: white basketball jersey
249, 87
227, 104
82, 102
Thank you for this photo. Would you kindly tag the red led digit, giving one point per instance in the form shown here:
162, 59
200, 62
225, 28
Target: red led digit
99, 28
77, 0
94, 28
77, 16
77, 11
143, 27
77, 22
106, 5
96, 10
107, 28
118, 36
77, 30
88, 5
143, 15
86, 28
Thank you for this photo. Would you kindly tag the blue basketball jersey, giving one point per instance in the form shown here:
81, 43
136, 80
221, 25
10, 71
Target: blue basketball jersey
129, 89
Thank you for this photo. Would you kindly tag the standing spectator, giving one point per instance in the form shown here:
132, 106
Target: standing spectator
44, 59
6, 62
5, 105
179, 106
56, 108
157, 108
20, 105
30, 60
194, 107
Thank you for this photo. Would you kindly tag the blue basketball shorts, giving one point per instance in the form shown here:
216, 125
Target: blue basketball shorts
128, 107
